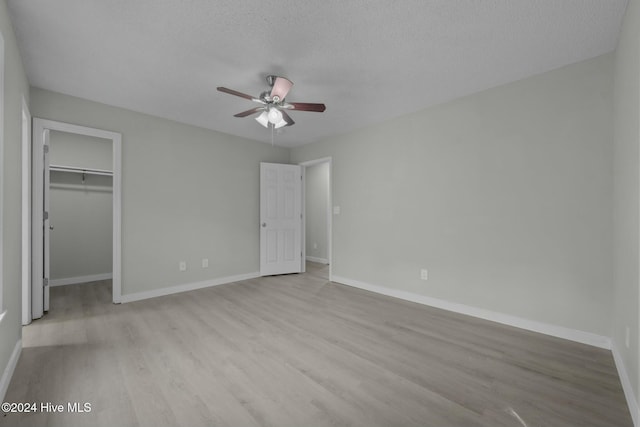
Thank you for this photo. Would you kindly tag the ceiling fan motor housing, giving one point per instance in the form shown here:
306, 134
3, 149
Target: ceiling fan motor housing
271, 79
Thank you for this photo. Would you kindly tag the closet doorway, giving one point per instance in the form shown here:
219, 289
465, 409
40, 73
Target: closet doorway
317, 214
75, 208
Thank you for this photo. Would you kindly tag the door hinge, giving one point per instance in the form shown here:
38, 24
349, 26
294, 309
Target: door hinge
45, 282
46, 149
45, 215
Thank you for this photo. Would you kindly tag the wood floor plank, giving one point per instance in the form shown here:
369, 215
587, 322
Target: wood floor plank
299, 350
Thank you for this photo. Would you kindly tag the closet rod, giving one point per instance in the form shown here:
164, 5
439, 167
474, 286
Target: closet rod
59, 168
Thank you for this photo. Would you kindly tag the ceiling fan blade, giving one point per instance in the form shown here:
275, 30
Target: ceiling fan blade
234, 92
240, 94
281, 88
306, 106
249, 112
287, 118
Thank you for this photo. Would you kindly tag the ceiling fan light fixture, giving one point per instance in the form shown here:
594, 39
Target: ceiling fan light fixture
275, 116
263, 119
280, 124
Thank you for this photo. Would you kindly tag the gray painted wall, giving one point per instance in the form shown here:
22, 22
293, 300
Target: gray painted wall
15, 87
627, 189
317, 203
505, 196
188, 193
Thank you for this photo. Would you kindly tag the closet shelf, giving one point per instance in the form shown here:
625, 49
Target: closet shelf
61, 168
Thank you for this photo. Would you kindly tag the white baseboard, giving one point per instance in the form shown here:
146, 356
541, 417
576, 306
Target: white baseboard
315, 259
506, 319
80, 279
632, 402
187, 287
10, 368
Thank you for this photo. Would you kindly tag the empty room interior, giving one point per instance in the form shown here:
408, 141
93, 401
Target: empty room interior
296, 213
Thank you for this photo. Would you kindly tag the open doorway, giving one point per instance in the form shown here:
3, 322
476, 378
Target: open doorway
317, 217
80, 209
75, 209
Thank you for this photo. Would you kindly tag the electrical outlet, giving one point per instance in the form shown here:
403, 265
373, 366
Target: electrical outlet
626, 337
183, 266
336, 210
315, 245
205, 262
424, 274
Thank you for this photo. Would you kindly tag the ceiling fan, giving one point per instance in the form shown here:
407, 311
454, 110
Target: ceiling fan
273, 105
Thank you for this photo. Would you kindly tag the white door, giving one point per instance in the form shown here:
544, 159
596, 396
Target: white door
47, 227
40, 223
26, 214
280, 219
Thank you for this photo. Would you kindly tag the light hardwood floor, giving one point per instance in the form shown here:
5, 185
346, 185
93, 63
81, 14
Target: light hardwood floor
297, 350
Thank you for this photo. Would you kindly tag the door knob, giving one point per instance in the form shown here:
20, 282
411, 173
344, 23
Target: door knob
264, 224
51, 227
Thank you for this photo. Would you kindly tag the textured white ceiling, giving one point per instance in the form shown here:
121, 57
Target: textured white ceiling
367, 60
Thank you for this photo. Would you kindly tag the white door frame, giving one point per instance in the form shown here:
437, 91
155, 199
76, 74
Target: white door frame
39, 127
26, 213
305, 165
2, 195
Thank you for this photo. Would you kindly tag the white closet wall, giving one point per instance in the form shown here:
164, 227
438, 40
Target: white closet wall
70, 149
